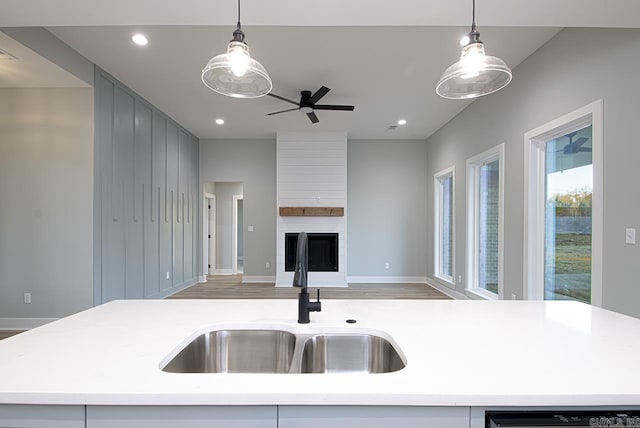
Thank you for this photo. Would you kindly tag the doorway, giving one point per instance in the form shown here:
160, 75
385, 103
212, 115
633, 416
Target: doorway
223, 238
209, 238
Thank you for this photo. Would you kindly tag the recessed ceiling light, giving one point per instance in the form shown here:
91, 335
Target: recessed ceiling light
220, 121
402, 122
140, 39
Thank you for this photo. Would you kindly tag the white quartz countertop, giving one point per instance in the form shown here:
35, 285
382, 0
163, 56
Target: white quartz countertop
458, 353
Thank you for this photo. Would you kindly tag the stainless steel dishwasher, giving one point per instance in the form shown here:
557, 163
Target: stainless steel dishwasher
568, 419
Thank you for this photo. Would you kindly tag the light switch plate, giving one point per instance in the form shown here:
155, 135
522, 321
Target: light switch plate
630, 236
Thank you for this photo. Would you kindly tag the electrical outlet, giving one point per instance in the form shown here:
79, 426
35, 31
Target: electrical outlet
27, 297
513, 297
630, 236
168, 276
249, 228
267, 265
386, 265
459, 279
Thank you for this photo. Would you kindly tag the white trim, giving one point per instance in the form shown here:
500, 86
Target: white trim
437, 180
256, 278
23, 323
480, 294
202, 278
473, 215
451, 284
386, 279
534, 141
446, 290
234, 234
223, 272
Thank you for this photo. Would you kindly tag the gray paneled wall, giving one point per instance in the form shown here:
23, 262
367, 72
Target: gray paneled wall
146, 174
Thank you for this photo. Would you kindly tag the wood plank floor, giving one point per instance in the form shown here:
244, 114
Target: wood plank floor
232, 287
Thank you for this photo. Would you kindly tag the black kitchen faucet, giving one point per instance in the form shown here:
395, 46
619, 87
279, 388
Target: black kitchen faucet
300, 280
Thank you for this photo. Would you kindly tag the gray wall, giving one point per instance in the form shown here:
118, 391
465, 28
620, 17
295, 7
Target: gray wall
145, 197
52, 48
386, 180
46, 197
387, 202
224, 222
252, 162
576, 67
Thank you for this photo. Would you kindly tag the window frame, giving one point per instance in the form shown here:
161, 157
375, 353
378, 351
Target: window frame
473, 221
438, 178
534, 197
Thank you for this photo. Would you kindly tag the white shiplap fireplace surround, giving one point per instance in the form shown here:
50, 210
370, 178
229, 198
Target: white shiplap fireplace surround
312, 172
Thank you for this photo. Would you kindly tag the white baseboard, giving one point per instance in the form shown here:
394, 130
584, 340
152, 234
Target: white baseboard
223, 272
387, 279
23, 323
446, 290
202, 278
256, 278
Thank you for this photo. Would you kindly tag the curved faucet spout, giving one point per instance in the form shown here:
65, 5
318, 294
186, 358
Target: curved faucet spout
302, 262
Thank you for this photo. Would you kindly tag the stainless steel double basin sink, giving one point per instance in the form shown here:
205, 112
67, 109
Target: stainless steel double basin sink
279, 351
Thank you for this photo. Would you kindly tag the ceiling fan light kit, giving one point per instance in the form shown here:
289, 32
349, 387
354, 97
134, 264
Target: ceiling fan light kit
476, 73
235, 73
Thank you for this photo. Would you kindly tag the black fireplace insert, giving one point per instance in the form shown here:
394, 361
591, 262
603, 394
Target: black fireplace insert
323, 252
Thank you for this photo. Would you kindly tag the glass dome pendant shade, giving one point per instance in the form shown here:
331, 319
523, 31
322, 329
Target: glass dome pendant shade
235, 73
475, 74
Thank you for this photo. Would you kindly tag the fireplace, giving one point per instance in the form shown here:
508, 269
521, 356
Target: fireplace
323, 252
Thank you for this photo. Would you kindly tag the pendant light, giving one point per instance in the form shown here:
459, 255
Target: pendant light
476, 73
235, 73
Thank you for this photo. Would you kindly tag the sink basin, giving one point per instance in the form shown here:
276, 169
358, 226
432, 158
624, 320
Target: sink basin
278, 351
349, 353
236, 351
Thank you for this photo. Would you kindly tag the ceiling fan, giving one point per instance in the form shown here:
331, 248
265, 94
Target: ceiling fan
308, 104
575, 146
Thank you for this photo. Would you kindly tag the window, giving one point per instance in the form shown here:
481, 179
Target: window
444, 225
563, 256
485, 222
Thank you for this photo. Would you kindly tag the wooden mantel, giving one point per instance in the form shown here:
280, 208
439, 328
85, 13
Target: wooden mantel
312, 211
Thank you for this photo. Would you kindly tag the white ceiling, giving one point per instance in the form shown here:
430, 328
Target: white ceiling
383, 56
388, 73
30, 70
521, 13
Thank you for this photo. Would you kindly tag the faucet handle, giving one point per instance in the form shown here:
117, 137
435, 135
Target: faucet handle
318, 299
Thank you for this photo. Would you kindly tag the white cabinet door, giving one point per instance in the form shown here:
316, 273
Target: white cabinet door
372, 417
19, 416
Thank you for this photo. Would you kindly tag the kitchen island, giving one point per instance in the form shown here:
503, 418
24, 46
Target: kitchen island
461, 357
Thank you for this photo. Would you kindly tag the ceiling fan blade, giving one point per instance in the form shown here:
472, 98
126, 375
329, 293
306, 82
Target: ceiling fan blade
283, 98
580, 141
312, 117
319, 94
585, 149
282, 111
332, 107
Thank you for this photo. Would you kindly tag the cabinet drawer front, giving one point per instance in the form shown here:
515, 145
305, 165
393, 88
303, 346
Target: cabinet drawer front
182, 417
372, 417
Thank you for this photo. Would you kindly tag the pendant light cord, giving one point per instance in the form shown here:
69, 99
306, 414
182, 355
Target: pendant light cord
473, 19
239, 12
